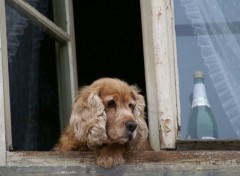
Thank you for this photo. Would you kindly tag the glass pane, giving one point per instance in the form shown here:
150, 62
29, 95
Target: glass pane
208, 39
33, 81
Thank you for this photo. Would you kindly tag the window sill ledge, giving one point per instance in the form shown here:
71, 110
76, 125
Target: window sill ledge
170, 157
171, 162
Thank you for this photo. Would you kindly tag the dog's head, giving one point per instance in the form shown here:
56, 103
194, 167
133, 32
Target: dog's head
109, 111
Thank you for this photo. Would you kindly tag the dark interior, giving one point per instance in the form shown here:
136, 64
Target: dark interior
109, 41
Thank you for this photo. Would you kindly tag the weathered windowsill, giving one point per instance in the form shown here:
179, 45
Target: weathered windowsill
171, 157
171, 162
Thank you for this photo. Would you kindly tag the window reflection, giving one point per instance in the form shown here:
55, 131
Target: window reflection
208, 39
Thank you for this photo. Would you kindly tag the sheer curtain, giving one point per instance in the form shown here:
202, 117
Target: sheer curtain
24, 41
217, 26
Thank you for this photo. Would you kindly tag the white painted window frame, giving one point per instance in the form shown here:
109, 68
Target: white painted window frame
159, 43
160, 67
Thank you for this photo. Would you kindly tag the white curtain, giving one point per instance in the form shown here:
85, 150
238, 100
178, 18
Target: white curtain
217, 26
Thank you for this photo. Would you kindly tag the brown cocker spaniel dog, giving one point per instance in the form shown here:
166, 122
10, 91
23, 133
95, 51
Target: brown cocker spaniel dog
107, 117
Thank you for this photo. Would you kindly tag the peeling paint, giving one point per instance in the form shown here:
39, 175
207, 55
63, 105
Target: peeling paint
159, 14
166, 124
161, 114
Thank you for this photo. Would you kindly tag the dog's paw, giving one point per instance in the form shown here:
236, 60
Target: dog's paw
109, 161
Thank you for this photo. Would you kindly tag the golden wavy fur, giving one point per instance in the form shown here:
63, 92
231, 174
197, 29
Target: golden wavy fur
107, 117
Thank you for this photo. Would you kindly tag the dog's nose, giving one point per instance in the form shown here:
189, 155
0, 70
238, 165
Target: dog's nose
131, 126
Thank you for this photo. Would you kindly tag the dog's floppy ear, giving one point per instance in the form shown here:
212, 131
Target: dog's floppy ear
139, 113
88, 118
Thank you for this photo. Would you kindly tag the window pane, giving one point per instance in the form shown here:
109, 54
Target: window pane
208, 39
33, 81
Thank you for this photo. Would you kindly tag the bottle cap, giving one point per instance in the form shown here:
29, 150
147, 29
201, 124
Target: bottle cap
198, 74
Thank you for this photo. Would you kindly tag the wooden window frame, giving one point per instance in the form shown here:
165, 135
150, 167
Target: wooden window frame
162, 93
62, 31
5, 132
159, 42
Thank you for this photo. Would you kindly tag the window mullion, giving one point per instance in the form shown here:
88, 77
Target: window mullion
66, 60
36, 17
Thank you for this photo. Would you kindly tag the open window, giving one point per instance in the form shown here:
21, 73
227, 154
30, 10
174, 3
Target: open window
137, 44
39, 81
40, 76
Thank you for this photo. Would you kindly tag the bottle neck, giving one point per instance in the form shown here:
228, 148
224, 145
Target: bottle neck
198, 80
199, 93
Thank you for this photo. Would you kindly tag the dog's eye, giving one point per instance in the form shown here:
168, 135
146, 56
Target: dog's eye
111, 104
132, 105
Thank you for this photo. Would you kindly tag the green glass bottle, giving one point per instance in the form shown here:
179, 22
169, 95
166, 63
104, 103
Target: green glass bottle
202, 123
